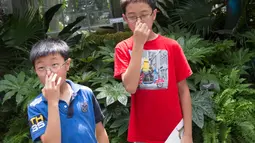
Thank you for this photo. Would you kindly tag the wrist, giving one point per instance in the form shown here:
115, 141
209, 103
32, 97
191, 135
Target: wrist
138, 47
53, 103
189, 134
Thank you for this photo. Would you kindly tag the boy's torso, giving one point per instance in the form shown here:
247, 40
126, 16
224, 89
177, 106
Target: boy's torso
155, 108
78, 128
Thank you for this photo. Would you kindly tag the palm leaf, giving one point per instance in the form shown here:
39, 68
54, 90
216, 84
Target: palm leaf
194, 14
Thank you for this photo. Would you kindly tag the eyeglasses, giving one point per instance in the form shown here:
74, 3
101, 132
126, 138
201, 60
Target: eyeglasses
144, 17
54, 67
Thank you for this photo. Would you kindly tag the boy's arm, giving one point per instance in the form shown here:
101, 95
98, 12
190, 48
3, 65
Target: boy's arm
53, 130
37, 121
183, 71
51, 91
185, 99
101, 133
130, 77
42, 130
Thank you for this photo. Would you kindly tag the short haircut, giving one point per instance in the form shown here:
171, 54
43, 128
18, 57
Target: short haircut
49, 46
124, 3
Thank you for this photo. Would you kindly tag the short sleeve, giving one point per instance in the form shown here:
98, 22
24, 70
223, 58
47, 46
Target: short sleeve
97, 110
182, 67
121, 60
37, 123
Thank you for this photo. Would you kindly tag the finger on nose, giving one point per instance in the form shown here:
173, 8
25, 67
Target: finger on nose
139, 19
48, 72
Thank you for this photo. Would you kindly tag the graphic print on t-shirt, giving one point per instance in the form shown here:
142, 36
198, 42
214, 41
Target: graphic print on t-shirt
154, 70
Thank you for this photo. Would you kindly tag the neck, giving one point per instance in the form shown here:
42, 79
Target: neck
152, 36
65, 88
65, 92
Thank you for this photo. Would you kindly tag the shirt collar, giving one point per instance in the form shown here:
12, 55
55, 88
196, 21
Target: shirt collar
75, 88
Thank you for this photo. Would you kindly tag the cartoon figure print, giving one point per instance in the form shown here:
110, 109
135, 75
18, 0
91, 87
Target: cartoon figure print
154, 70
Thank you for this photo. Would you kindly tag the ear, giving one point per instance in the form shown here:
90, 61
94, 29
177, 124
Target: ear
155, 11
124, 17
68, 63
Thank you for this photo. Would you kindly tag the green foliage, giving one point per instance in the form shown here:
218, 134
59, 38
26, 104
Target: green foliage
194, 48
223, 101
117, 37
24, 87
17, 35
234, 109
113, 92
202, 104
94, 68
196, 15
18, 86
21, 31
18, 132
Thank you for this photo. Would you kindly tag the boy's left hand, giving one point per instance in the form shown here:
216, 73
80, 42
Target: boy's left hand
186, 139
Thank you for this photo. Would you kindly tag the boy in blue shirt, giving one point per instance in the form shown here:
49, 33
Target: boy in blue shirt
64, 112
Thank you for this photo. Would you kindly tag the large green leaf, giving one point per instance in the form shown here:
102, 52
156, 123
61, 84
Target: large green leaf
194, 48
67, 31
8, 96
123, 99
195, 14
121, 123
113, 92
202, 104
49, 15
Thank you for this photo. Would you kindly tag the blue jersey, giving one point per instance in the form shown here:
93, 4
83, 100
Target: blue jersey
78, 120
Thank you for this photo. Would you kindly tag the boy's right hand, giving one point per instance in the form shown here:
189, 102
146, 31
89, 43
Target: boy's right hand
51, 89
141, 33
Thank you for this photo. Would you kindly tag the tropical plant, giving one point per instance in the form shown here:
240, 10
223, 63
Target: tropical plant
20, 32
234, 110
17, 35
22, 87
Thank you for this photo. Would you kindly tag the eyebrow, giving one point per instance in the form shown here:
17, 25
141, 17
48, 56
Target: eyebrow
38, 62
133, 13
53, 58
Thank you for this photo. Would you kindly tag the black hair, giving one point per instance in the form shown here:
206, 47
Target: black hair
49, 46
124, 3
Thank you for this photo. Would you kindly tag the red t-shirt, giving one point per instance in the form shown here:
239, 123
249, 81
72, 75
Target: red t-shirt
155, 107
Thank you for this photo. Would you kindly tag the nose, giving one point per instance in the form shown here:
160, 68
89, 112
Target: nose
139, 19
48, 71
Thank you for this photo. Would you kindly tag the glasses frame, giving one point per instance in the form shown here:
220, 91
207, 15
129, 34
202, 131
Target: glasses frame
50, 68
136, 17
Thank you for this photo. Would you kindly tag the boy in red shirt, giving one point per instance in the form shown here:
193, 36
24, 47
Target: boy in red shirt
153, 69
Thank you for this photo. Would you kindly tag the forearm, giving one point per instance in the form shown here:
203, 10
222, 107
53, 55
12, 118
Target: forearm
53, 129
132, 75
101, 133
102, 137
187, 112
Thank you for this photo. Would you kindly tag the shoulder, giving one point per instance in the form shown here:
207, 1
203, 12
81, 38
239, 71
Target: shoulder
125, 44
85, 90
168, 40
37, 102
171, 44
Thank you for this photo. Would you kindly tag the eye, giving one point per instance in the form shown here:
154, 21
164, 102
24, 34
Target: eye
40, 68
132, 17
55, 65
145, 15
